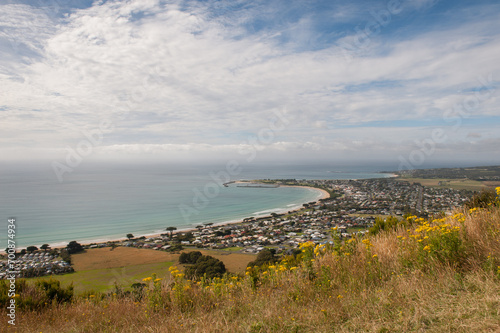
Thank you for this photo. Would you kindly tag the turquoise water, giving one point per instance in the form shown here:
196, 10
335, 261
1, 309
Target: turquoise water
105, 202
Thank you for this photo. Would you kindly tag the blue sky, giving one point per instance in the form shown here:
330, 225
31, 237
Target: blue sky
413, 82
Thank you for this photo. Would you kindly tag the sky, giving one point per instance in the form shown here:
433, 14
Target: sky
408, 82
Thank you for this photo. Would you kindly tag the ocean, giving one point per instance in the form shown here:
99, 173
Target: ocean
107, 201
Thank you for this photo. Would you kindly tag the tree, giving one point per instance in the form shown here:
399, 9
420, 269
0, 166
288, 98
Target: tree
31, 249
45, 247
171, 229
209, 224
206, 266
189, 257
74, 247
188, 236
130, 236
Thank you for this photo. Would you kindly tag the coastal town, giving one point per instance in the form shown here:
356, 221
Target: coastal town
352, 207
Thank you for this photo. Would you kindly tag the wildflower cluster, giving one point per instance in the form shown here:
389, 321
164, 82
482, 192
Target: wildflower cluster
498, 196
438, 238
220, 286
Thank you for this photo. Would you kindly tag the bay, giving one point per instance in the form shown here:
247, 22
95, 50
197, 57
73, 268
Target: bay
107, 201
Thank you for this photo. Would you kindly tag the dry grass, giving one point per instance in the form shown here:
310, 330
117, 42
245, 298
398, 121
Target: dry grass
104, 258
234, 262
409, 303
119, 257
392, 292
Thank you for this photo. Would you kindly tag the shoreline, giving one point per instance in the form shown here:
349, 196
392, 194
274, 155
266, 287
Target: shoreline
324, 195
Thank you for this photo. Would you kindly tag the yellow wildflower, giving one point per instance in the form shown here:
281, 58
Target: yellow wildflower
306, 245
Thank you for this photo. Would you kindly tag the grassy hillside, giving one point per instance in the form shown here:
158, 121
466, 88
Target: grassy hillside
440, 275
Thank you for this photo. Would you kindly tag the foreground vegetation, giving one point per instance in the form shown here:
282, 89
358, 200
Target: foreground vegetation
438, 275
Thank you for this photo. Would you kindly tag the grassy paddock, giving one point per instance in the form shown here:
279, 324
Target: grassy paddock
458, 184
99, 269
104, 279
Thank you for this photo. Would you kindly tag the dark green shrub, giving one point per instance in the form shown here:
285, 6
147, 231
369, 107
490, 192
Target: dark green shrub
54, 291
189, 257
207, 266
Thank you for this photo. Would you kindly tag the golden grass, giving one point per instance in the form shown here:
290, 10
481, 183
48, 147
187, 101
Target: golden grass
409, 303
119, 257
234, 262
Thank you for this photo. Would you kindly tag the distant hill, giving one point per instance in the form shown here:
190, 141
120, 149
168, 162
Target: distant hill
481, 173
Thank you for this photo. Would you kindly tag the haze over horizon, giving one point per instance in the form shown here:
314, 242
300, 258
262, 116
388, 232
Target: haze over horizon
408, 83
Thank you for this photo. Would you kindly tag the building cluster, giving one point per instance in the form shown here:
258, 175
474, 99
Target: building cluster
35, 264
390, 197
280, 232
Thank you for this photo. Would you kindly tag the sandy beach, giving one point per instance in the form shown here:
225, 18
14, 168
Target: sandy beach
324, 195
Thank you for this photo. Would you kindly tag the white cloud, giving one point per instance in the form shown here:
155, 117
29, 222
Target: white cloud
184, 81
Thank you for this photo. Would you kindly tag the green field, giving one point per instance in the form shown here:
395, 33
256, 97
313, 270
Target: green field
104, 279
100, 269
457, 184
